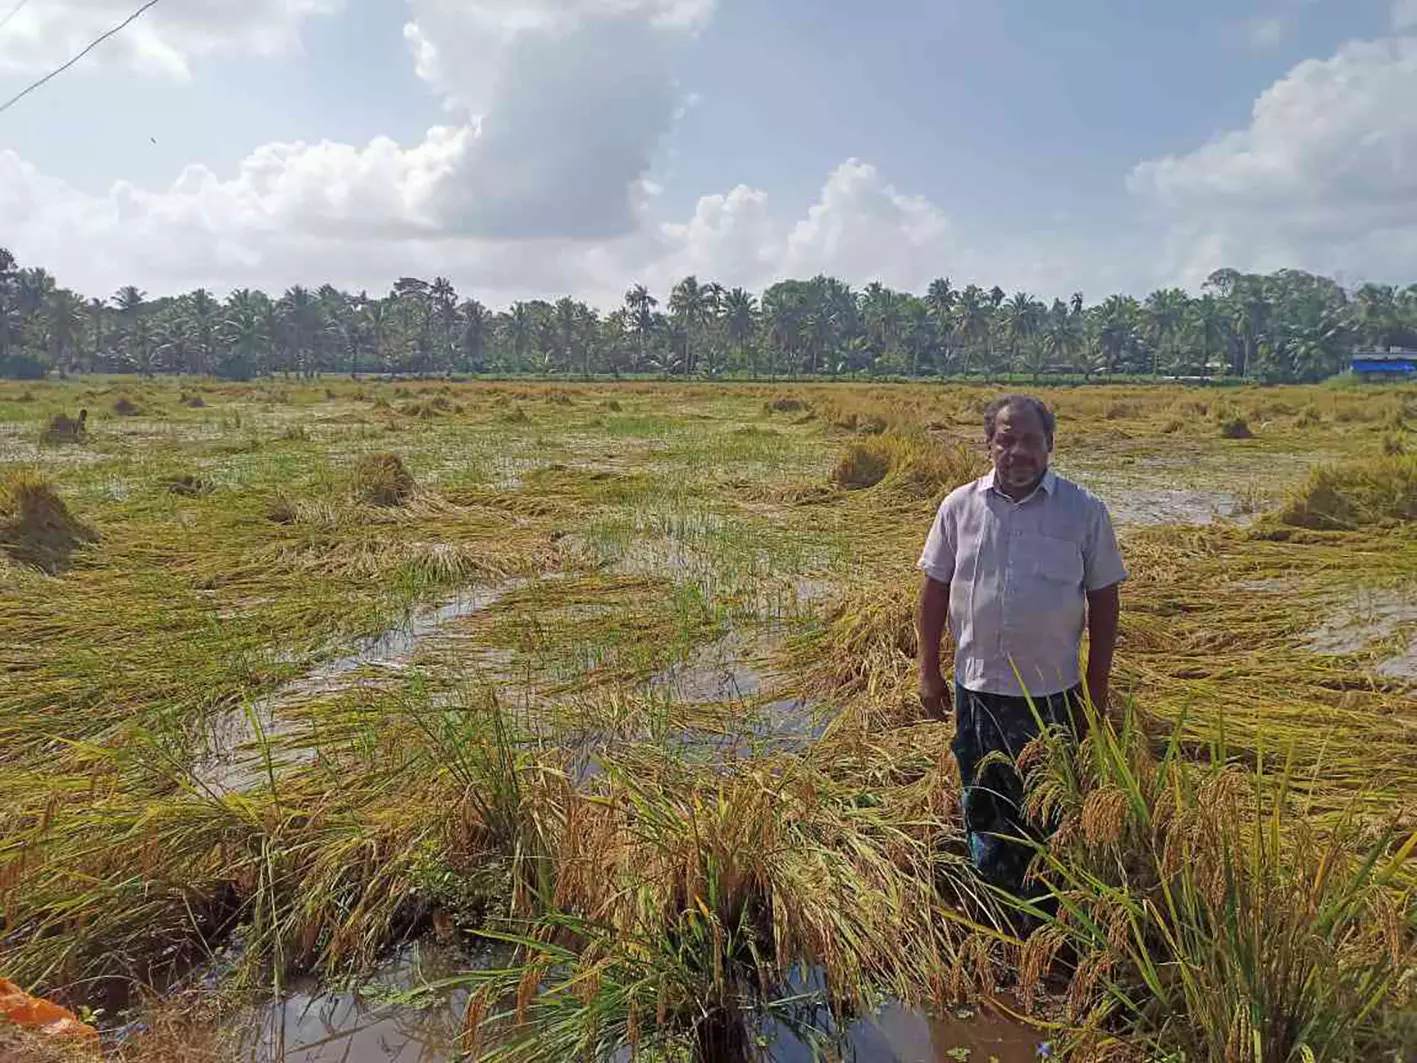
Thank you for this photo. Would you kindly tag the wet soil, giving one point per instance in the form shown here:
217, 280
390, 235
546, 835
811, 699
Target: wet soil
232, 764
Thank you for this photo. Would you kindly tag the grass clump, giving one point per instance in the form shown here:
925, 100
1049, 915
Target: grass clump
915, 465
189, 485
1199, 910
36, 527
383, 480
282, 509
862, 465
1355, 494
1235, 427
64, 429
785, 404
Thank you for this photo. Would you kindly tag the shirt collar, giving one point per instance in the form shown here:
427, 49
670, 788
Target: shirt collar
1046, 485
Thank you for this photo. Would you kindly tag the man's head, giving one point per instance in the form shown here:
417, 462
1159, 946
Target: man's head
1019, 432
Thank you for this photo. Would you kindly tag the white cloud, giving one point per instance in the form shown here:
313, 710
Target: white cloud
863, 227
1323, 178
569, 101
1404, 15
541, 188
288, 217
163, 41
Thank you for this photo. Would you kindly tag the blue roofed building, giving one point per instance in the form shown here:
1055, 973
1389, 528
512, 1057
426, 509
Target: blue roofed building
1395, 363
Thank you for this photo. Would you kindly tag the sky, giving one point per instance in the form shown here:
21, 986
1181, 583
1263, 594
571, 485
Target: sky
535, 148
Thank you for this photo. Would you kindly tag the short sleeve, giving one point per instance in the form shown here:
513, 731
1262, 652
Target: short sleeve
1102, 559
937, 560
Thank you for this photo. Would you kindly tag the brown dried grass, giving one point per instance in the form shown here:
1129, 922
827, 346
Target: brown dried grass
64, 429
36, 527
383, 480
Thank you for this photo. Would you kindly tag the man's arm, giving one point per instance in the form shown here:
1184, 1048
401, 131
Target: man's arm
930, 626
1104, 608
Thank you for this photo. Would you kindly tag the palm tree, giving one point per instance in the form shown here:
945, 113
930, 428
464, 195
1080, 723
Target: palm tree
1117, 329
1062, 335
375, 321
940, 300
301, 322
740, 312
244, 329
689, 305
414, 299
567, 331
203, 311
97, 311
1165, 312
472, 337
173, 341
129, 300
9, 312
33, 288
884, 314
782, 311
1021, 316
587, 333
1249, 314
1208, 328
443, 298
519, 328
1377, 315
140, 345
973, 321
64, 324
639, 307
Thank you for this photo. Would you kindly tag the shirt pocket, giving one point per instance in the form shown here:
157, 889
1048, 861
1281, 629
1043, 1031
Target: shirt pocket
1050, 560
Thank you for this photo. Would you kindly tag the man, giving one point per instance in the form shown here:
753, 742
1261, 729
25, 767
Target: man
1014, 561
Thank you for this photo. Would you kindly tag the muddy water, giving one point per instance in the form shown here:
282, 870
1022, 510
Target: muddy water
903, 1035
1138, 506
1365, 618
232, 765
311, 1024
723, 671
715, 672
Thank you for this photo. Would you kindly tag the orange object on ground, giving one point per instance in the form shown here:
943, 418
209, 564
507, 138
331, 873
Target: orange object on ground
44, 1016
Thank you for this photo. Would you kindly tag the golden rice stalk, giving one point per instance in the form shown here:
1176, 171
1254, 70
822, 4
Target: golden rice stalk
1104, 816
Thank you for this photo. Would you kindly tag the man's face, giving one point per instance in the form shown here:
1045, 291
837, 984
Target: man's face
1020, 448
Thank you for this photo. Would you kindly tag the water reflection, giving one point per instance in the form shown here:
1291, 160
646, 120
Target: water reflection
319, 1024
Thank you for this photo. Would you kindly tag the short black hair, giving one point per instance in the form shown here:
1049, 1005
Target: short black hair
1025, 402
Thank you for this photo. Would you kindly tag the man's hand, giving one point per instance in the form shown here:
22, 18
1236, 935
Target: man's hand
1104, 608
930, 625
935, 695
1097, 692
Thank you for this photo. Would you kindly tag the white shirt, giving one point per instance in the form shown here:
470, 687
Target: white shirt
1019, 573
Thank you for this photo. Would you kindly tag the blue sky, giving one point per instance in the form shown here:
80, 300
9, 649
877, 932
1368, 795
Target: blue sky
1097, 144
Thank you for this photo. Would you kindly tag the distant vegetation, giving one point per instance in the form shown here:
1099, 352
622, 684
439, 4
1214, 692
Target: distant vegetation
1285, 326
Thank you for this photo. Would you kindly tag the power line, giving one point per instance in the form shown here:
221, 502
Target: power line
13, 12
87, 49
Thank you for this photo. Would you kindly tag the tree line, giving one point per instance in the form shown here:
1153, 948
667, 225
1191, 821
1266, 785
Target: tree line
1284, 326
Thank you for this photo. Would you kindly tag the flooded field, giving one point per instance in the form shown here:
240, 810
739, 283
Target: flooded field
579, 722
